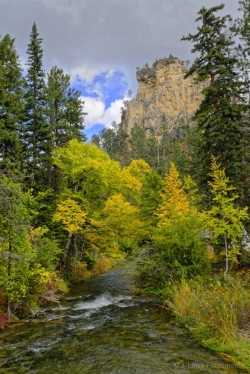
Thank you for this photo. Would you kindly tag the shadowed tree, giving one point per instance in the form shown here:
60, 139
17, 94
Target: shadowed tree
65, 115
37, 134
11, 106
220, 119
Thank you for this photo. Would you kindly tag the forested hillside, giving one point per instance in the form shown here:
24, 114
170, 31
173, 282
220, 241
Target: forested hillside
195, 201
178, 203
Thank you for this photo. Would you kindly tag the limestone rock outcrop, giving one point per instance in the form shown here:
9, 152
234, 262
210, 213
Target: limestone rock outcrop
162, 91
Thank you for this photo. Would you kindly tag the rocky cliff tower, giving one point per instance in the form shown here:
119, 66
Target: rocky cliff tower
163, 91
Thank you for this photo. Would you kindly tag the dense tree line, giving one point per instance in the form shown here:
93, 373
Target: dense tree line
69, 208
38, 113
220, 127
157, 146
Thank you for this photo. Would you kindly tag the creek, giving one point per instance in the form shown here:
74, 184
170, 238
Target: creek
102, 328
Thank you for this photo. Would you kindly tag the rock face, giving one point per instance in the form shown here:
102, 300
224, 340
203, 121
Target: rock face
163, 91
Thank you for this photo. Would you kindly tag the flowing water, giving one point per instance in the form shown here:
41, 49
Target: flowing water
102, 328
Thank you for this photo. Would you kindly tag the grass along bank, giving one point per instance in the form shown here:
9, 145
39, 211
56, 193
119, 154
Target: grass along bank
217, 314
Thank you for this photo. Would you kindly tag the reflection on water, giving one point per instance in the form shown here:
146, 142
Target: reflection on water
102, 328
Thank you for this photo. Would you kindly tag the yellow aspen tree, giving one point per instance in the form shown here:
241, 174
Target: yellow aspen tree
133, 177
225, 219
123, 218
71, 215
175, 201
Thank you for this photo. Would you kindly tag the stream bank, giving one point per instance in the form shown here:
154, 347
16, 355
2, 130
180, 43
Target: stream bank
101, 327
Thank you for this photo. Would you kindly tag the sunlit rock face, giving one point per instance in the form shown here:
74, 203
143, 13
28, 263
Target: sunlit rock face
163, 91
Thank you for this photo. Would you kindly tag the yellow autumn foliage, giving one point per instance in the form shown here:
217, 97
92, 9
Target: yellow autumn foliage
71, 215
96, 187
133, 175
175, 201
130, 182
122, 217
139, 168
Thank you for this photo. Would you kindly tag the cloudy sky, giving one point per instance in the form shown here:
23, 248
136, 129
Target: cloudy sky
101, 42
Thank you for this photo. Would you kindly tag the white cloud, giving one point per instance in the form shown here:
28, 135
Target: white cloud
97, 84
87, 37
113, 113
88, 73
95, 109
97, 89
97, 114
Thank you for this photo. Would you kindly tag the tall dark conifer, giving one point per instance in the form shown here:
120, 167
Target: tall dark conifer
65, 114
138, 143
221, 115
242, 26
107, 141
37, 133
242, 29
11, 106
121, 149
75, 115
114, 141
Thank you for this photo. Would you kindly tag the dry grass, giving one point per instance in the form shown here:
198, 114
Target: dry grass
103, 264
218, 310
80, 271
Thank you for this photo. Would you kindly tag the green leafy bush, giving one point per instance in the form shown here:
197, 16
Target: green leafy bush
181, 246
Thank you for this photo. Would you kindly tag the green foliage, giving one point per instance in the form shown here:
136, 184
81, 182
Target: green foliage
178, 247
138, 143
150, 271
90, 169
155, 145
225, 218
221, 118
11, 106
150, 196
26, 254
182, 248
47, 250
213, 311
83, 205
114, 142
64, 108
36, 130
128, 245
122, 219
98, 201
241, 27
15, 250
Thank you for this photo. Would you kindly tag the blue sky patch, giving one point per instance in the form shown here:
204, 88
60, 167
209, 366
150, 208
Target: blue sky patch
93, 130
108, 86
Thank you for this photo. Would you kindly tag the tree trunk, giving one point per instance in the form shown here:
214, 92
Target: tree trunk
9, 272
67, 256
226, 247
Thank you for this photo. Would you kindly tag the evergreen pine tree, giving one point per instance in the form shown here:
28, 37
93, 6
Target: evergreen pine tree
37, 133
96, 139
242, 26
221, 116
107, 141
114, 141
138, 143
65, 115
75, 115
242, 29
11, 106
152, 145
121, 149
